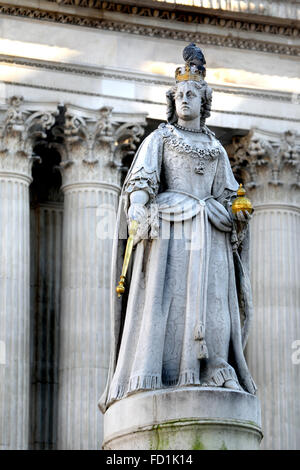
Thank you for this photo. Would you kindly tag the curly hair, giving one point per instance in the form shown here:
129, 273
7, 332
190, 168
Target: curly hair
206, 95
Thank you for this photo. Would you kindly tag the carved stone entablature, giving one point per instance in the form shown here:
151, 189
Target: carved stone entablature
138, 20
260, 158
229, 14
20, 129
94, 144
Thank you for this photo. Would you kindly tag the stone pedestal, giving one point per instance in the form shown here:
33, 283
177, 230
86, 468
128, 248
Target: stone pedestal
191, 418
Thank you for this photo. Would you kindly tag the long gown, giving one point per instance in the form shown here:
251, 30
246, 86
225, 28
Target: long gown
186, 318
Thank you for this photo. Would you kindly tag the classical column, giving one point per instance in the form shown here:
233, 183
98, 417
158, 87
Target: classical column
269, 165
91, 185
45, 264
19, 129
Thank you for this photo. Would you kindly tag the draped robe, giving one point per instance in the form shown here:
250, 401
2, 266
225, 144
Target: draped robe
186, 318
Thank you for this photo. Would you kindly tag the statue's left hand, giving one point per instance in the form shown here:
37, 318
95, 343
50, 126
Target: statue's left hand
244, 217
240, 229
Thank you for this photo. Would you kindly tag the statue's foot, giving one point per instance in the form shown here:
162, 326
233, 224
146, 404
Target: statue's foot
218, 373
232, 384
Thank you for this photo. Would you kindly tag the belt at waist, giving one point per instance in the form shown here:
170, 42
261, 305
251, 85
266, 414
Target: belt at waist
188, 194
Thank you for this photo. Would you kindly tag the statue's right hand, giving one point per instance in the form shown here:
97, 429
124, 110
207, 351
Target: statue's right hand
139, 213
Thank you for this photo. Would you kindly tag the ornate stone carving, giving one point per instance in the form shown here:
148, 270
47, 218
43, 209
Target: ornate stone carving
127, 138
246, 154
290, 154
92, 147
280, 154
162, 32
20, 130
202, 16
106, 72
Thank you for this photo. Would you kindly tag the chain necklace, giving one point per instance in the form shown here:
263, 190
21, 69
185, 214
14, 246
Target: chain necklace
199, 154
202, 130
188, 129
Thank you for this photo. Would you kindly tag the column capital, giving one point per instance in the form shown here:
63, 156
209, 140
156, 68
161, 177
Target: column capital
263, 159
20, 129
94, 144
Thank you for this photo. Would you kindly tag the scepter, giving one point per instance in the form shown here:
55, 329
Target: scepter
120, 289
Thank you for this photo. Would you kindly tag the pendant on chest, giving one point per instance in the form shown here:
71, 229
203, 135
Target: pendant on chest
199, 169
200, 156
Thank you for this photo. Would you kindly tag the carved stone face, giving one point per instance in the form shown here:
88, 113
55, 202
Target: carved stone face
187, 101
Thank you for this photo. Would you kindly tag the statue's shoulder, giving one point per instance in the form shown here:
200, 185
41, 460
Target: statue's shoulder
164, 129
214, 140
209, 132
158, 134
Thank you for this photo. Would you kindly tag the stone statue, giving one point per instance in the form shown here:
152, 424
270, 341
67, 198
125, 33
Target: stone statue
185, 320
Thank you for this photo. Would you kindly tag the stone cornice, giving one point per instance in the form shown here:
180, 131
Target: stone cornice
247, 9
127, 20
137, 100
138, 77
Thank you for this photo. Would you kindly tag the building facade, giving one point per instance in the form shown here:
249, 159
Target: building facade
82, 82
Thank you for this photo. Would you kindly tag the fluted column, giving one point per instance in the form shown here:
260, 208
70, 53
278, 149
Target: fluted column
18, 131
91, 189
269, 164
46, 255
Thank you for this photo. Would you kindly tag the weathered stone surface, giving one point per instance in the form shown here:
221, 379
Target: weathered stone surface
187, 419
91, 164
269, 164
19, 129
186, 319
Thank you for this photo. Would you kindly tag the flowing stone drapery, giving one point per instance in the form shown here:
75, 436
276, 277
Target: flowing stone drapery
91, 182
269, 165
19, 130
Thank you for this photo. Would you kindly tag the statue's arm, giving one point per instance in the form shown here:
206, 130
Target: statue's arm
224, 191
144, 174
138, 200
142, 184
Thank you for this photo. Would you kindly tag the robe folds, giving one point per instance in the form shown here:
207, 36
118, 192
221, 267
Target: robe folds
185, 319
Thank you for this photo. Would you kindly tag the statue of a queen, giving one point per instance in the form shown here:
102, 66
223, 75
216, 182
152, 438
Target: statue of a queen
185, 320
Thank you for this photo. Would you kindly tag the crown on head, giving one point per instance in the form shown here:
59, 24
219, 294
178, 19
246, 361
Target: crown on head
194, 65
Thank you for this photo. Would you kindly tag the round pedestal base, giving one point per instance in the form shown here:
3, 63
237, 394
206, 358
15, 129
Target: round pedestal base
191, 418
